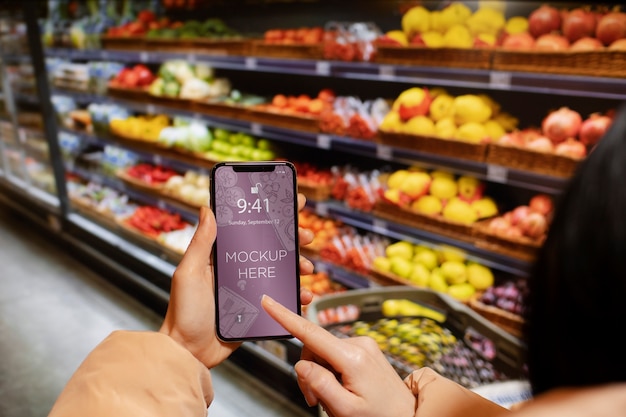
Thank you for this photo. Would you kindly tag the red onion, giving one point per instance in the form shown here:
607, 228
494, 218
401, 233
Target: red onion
544, 20
561, 124
593, 128
579, 23
611, 27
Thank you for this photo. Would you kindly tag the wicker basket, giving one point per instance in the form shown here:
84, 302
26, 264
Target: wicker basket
168, 45
446, 147
133, 43
222, 46
509, 322
135, 94
603, 63
219, 109
528, 160
258, 114
295, 51
479, 58
521, 248
436, 224
179, 103
314, 192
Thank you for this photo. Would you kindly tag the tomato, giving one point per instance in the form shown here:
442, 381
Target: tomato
144, 75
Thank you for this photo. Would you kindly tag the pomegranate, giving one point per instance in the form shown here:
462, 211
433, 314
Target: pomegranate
541, 203
551, 42
571, 148
561, 124
579, 23
544, 19
611, 27
519, 214
618, 45
499, 225
586, 44
522, 41
540, 144
511, 139
593, 128
534, 225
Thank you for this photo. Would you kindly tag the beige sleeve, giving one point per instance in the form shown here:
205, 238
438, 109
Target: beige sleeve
438, 396
137, 374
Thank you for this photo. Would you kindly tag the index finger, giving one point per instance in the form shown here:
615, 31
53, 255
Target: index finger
316, 339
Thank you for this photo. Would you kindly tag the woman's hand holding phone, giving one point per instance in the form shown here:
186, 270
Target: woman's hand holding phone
190, 317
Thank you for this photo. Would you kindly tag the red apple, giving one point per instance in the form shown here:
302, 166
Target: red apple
534, 225
541, 203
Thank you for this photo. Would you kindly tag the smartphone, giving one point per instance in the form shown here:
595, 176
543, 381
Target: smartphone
256, 250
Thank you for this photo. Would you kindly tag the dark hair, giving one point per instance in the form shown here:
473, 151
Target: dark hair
576, 306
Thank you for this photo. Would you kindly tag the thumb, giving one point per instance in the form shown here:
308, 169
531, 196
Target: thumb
198, 254
318, 384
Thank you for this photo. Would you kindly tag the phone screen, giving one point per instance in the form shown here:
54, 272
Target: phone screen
256, 251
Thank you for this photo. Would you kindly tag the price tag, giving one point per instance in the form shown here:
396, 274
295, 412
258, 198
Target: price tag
500, 79
251, 63
379, 226
324, 141
384, 152
157, 160
161, 204
387, 72
150, 109
321, 209
497, 173
322, 68
256, 128
144, 56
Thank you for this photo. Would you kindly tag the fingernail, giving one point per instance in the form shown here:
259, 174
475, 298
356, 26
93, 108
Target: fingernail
268, 300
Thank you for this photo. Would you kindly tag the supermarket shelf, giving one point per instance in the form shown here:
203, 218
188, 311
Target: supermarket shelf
116, 241
596, 87
489, 172
33, 193
369, 222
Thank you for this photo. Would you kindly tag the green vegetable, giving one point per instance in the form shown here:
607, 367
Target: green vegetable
171, 89
199, 138
156, 88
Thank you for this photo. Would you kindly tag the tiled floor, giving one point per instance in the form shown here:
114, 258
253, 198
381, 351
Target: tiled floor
53, 311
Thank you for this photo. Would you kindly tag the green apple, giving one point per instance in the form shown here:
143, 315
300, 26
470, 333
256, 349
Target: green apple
428, 258
264, 144
454, 272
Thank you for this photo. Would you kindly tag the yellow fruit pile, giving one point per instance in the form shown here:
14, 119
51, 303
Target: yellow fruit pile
444, 269
457, 26
146, 128
473, 118
435, 193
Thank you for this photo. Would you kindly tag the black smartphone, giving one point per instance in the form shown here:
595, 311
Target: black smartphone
256, 250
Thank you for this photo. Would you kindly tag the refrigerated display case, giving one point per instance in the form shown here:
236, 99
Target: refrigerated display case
103, 129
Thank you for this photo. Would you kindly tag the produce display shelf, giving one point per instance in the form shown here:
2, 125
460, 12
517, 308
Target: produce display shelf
524, 179
583, 86
141, 197
39, 196
398, 231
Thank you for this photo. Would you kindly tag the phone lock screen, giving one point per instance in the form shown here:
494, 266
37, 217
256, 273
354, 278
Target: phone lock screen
256, 251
